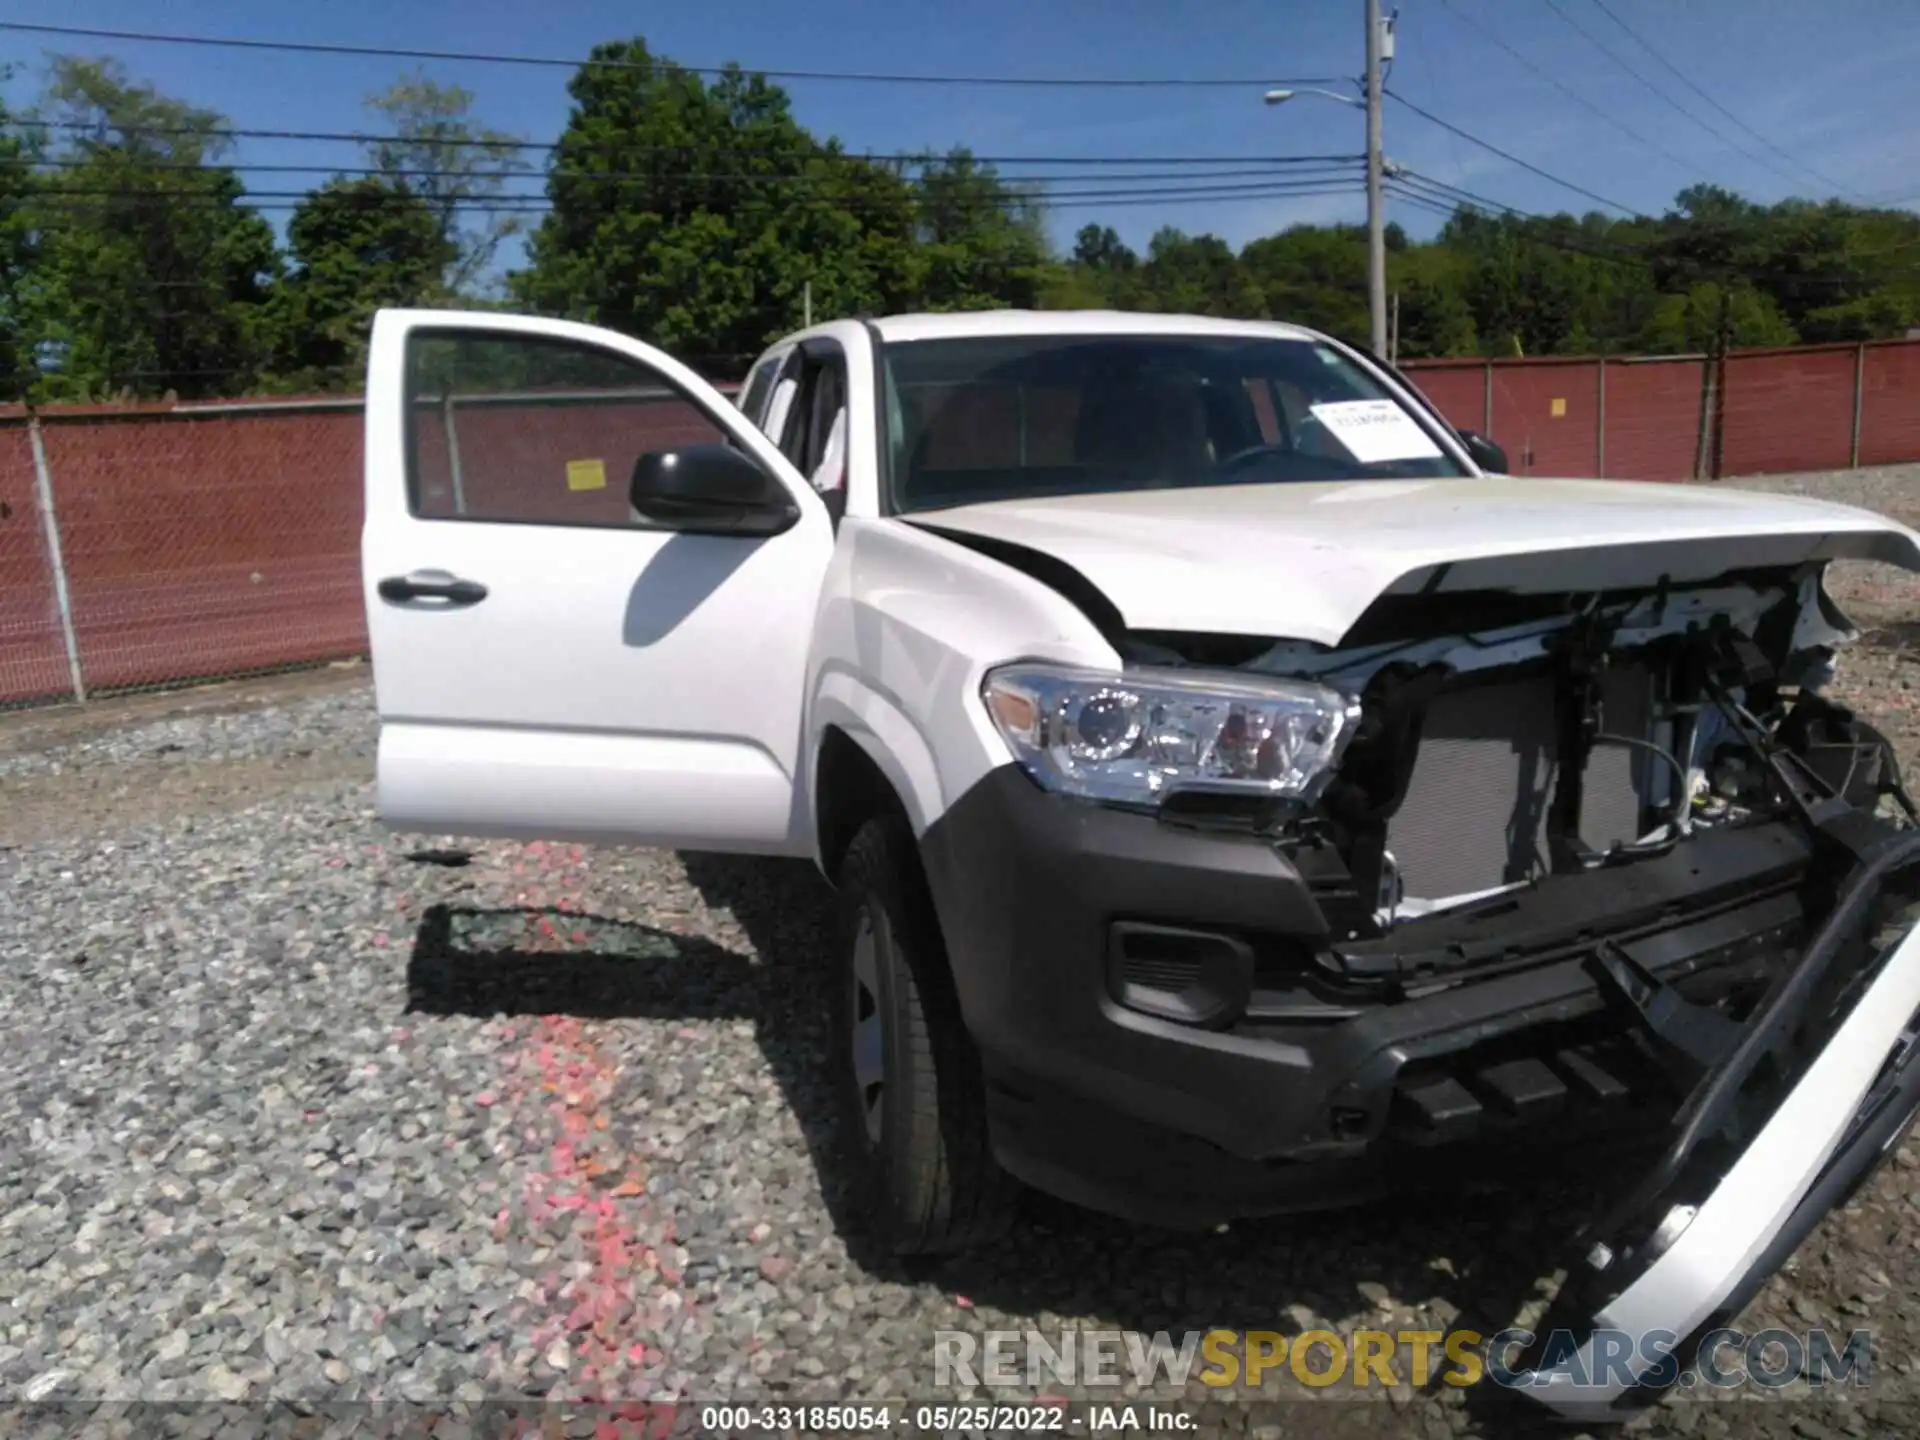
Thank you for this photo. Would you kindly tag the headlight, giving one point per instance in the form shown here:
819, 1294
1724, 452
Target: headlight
1133, 736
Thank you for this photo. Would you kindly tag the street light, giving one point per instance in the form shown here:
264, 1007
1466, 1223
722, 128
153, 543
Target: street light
1376, 219
1280, 97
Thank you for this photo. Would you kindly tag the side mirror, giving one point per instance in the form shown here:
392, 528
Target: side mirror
1487, 455
709, 490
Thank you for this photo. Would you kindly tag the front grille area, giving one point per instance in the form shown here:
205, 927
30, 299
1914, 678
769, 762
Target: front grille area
1475, 813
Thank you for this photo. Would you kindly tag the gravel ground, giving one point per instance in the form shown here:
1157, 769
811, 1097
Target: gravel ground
296, 1109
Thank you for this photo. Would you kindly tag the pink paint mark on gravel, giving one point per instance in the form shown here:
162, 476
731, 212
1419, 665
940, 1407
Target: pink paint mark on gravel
587, 1203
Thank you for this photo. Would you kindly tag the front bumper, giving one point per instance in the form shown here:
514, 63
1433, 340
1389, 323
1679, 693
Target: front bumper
1772, 970
1736, 1193
1312, 1096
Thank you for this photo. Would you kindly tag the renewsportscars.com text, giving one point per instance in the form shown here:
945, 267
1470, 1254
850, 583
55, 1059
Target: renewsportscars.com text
1028, 1359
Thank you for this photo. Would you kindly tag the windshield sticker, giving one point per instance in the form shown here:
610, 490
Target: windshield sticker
1374, 431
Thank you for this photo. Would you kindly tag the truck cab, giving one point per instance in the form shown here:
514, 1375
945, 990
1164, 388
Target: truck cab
1240, 798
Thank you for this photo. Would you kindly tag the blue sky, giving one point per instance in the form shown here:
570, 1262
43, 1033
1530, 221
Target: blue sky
1828, 81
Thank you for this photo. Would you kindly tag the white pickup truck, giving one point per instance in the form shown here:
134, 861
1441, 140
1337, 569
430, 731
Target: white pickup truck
1242, 797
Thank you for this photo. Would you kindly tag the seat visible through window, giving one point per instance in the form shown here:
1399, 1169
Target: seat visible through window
827, 431
1155, 429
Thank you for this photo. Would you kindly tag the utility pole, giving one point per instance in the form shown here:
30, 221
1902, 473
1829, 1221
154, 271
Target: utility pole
1376, 216
1722, 342
1379, 51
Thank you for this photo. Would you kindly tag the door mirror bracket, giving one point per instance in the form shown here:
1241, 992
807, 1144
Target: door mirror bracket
1486, 454
709, 490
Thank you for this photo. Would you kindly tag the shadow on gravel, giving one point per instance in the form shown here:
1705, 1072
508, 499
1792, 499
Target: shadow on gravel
485, 963
477, 963
1466, 1264
1473, 1263
1893, 635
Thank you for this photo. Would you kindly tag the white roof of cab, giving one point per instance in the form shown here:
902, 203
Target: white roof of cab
974, 324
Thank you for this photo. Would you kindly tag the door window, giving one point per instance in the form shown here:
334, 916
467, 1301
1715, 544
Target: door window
826, 449
815, 437
753, 395
523, 429
780, 407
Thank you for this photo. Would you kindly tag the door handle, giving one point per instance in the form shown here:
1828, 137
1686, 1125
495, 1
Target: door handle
432, 586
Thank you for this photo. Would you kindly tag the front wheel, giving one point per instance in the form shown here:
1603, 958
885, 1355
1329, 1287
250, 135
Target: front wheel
913, 1105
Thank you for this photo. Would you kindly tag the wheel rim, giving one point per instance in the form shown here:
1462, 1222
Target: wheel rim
869, 1034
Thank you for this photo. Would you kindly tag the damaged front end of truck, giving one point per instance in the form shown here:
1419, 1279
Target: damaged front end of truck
1539, 837
1649, 787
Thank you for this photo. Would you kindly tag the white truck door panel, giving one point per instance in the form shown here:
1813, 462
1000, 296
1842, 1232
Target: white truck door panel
546, 664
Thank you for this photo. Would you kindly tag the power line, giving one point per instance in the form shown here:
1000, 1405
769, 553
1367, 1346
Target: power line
1422, 202
1438, 203
804, 175
1662, 95
664, 66
1454, 191
1427, 69
130, 192
1493, 37
1435, 195
1413, 177
1680, 75
1512, 158
284, 201
916, 157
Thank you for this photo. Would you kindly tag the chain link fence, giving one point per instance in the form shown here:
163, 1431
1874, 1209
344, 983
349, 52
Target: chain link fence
152, 546
146, 547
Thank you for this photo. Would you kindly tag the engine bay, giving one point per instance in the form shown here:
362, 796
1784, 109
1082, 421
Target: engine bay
1505, 740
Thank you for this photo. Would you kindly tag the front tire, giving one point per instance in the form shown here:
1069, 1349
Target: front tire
912, 1100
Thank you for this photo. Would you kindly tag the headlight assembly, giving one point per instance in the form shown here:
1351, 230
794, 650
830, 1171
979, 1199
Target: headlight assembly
1131, 737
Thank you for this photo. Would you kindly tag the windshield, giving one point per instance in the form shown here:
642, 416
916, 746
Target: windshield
1020, 417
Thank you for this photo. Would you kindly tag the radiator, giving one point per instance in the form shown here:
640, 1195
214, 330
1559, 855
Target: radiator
1475, 813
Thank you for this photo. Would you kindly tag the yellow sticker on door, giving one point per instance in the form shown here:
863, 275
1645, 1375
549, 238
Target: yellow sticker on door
1559, 406
586, 474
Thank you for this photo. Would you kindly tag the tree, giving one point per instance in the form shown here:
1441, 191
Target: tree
982, 242
1691, 322
1197, 275
150, 270
846, 244
697, 214
437, 151
704, 216
1435, 318
19, 255
1102, 273
1313, 275
355, 246
1099, 249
